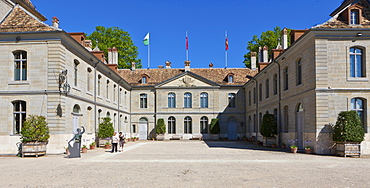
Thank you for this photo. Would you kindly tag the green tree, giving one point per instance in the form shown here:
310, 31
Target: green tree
105, 128
348, 127
35, 129
268, 126
268, 38
116, 37
214, 128
161, 127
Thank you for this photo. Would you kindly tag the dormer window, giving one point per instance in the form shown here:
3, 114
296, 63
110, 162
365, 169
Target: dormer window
354, 17
144, 79
230, 78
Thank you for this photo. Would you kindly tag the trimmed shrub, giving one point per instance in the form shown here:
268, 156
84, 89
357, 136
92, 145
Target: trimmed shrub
214, 128
348, 127
105, 128
35, 129
269, 126
161, 127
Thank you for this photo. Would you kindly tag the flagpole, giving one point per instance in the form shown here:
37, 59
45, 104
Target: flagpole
226, 48
187, 47
149, 55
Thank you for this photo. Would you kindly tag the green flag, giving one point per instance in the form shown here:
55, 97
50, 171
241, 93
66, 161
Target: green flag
146, 40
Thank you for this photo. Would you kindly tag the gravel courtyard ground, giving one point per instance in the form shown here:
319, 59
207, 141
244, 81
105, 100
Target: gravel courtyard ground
186, 164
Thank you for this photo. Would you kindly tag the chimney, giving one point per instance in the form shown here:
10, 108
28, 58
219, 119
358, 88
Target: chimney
187, 65
260, 58
110, 56
114, 56
265, 54
253, 60
168, 65
295, 35
55, 22
160, 66
211, 65
284, 39
88, 45
133, 66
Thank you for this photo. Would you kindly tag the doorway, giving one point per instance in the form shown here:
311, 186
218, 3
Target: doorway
143, 129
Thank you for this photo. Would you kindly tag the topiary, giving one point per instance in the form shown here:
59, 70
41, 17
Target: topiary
348, 127
214, 128
35, 129
105, 128
161, 127
269, 126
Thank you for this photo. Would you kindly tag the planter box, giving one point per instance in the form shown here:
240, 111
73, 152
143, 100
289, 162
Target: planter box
160, 137
269, 141
348, 149
34, 148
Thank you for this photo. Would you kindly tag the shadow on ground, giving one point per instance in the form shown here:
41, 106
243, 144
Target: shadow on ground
241, 145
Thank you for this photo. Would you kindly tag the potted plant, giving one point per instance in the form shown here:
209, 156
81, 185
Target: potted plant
307, 149
268, 129
107, 145
92, 145
348, 134
105, 130
214, 129
160, 129
293, 147
84, 149
34, 135
283, 145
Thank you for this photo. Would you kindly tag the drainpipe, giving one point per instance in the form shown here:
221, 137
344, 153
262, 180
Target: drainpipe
95, 108
279, 100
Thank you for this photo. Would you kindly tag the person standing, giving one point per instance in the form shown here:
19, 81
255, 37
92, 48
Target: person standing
121, 141
114, 142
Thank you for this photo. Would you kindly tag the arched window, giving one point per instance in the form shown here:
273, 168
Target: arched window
108, 114
299, 72
187, 100
76, 109
204, 100
89, 79
231, 98
357, 65
260, 92
286, 79
99, 85
107, 90
187, 125
275, 84
19, 115
143, 100
299, 107
204, 125
171, 100
20, 65
285, 128
171, 125
267, 85
76, 63
358, 105
230, 78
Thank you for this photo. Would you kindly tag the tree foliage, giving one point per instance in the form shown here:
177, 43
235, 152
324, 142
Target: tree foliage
214, 128
161, 127
348, 127
35, 129
106, 129
268, 126
116, 37
270, 38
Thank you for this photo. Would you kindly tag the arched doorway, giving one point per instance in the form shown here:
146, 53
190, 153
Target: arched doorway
231, 124
76, 113
299, 123
143, 128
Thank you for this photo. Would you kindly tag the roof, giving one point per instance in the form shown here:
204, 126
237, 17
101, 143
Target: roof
216, 75
20, 20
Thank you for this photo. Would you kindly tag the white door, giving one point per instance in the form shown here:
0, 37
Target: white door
75, 124
232, 129
143, 131
300, 129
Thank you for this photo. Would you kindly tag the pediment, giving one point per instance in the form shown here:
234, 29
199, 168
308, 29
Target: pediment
187, 80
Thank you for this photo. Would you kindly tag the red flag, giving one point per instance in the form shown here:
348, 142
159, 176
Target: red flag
187, 43
226, 44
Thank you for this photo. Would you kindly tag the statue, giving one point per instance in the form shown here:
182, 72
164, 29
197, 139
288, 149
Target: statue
75, 148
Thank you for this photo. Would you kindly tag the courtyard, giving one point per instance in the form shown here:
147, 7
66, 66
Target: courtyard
186, 164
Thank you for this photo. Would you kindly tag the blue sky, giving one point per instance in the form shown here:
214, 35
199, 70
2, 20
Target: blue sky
205, 20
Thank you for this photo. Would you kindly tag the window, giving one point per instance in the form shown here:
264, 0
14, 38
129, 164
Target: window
260, 92
143, 79
99, 115
249, 97
89, 79
107, 90
230, 78
356, 62
133, 129
76, 71
99, 84
254, 95
171, 100
276, 115
114, 92
76, 109
267, 85
187, 125
354, 17
143, 100
171, 125
187, 100
204, 100
299, 72
19, 115
286, 119
275, 83
20, 65
204, 125
232, 102
286, 78
357, 105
